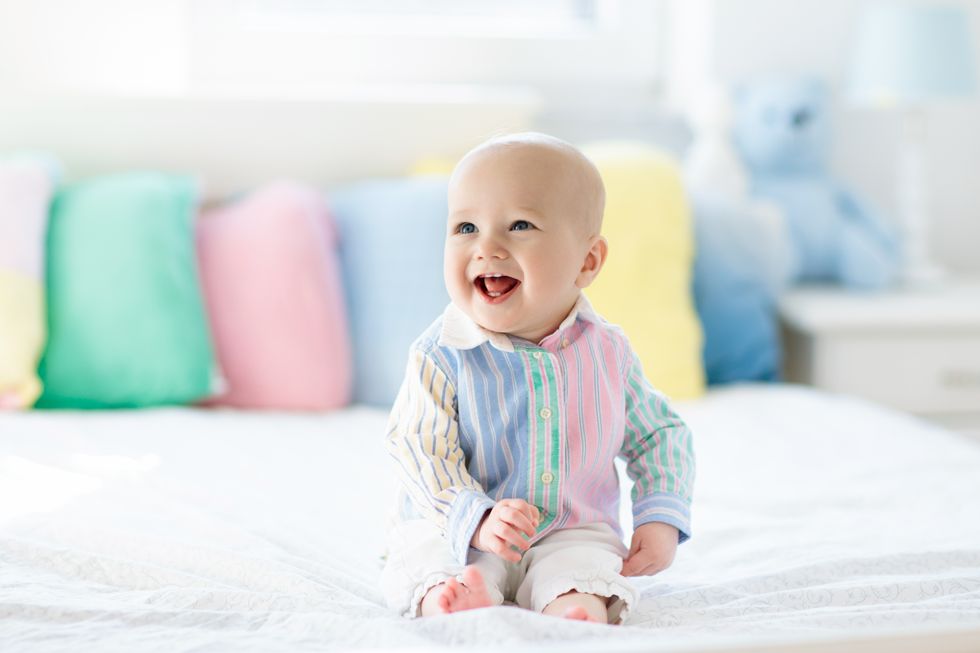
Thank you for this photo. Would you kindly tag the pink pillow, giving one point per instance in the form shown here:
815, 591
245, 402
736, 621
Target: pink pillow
271, 279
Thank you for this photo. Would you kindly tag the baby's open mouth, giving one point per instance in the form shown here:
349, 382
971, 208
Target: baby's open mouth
496, 287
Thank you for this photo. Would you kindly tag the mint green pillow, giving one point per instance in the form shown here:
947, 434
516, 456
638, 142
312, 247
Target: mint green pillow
126, 323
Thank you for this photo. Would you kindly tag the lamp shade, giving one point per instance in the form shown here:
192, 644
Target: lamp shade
912, 53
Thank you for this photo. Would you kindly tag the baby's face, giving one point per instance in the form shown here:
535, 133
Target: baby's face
517, 239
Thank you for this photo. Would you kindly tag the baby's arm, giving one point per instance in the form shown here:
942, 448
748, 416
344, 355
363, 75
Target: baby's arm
660, 460
423, 438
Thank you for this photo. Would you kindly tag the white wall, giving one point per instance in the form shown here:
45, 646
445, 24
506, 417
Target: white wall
237, 142
796, 36
107, 85
94, 46
736, 40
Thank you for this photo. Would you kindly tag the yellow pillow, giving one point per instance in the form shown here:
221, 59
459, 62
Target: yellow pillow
26, 186
645, 286
428, 166
22, 333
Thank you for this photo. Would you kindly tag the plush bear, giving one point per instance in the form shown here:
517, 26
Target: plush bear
782, 134
744, 253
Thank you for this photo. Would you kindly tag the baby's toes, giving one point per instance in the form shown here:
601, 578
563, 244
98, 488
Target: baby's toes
445, 601
450, 594
577, 613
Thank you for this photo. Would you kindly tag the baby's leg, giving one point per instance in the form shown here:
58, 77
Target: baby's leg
579, 606
420, 569
453, 596
575, 573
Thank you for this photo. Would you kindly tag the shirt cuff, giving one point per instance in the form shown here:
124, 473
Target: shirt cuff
465, 515
664, 507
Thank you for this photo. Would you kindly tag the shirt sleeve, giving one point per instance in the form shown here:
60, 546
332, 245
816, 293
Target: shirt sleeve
423, 438
659, 455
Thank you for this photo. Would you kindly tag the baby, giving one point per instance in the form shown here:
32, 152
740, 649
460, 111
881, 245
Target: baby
517, 400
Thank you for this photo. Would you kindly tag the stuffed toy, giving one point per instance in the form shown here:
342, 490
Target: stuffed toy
744, 253
781, 131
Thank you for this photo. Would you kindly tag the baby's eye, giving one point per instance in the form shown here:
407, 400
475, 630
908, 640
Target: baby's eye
466, 228
521, 225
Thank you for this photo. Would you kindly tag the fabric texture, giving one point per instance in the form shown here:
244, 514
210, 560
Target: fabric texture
26, 187
475, 423
391, 241
126, 322
586, 559
645, 285
271, 277
180, 529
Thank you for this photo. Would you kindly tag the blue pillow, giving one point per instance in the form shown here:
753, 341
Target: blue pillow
391, 249
742, 263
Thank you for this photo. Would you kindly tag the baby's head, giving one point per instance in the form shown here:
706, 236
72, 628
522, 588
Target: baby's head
525, 212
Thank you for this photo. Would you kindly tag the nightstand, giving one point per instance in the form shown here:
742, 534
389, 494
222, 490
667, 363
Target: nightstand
917, 350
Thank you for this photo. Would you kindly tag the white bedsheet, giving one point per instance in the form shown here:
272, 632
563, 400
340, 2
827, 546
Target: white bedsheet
182, 529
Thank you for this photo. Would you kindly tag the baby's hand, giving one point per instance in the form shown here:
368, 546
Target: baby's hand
502, 527
652, 549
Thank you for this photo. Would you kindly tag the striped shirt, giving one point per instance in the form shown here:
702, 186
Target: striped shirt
484, 416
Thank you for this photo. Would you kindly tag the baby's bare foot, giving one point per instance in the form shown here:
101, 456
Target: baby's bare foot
579, 606
471, 593
578, 613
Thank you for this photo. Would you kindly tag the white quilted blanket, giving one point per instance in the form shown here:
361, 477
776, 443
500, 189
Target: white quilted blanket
182, 529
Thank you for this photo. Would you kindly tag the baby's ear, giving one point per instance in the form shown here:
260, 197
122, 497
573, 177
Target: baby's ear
595, 258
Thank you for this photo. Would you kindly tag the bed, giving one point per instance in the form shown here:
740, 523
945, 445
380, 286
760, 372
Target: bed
818, 519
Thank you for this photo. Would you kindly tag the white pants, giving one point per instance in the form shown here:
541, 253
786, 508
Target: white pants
585, 558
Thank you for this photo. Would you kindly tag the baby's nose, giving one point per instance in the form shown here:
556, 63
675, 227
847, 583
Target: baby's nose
490, 249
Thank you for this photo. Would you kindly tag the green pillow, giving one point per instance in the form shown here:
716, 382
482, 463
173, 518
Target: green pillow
126, 321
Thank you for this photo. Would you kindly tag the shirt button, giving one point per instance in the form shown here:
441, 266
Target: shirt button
547, 478
537, 354
564, 343
545, 413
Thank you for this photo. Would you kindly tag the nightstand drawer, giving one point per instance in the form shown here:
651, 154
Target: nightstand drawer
921, 373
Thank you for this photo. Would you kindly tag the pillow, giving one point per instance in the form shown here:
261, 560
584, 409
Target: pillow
125, 317
271, 278
391, 242
26, 186
743, 262
645, 286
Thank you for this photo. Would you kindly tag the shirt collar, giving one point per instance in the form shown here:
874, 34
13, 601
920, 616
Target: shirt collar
461, 332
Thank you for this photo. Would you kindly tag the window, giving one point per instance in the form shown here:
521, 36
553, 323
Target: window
311, 47
472, 18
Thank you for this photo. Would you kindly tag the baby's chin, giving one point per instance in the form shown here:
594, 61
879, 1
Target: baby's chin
511, 328
491, 318
493, 323
500, 318
511, 320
